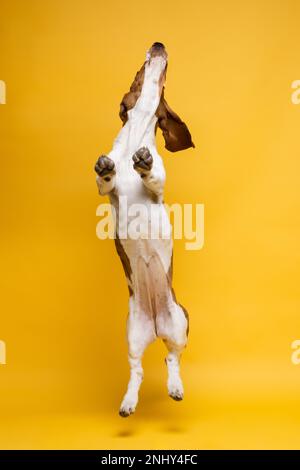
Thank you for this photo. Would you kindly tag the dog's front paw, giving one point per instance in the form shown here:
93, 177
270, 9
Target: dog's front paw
142, 161
105, 167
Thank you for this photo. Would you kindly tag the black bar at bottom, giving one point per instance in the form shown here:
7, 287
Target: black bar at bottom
134, 458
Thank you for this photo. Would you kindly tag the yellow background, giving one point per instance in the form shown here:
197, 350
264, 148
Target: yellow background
66, 65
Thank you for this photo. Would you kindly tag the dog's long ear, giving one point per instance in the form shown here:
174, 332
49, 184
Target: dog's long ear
176, 134
130, 98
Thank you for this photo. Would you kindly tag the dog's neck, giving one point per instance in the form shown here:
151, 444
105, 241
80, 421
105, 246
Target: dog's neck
139, 129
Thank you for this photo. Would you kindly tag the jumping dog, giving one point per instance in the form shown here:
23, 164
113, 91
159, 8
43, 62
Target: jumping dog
134, 169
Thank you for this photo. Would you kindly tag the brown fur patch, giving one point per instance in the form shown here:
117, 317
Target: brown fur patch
187, 318
125, 261
130, 98
175, 131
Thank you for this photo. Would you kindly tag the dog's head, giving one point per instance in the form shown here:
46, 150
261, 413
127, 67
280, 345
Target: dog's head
176, 134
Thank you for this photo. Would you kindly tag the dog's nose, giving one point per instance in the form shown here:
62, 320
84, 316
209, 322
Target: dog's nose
157, 50
158, 45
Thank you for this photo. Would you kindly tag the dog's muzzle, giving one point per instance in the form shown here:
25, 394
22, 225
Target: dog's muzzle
157, 50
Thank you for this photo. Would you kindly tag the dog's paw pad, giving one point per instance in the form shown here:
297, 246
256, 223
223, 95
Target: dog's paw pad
128, 406
125, 412
142, 160
175, 389
104, 166
177, 395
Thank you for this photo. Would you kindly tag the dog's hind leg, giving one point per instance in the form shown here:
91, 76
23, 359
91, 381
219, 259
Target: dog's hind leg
175, 386
175, 342
140, 333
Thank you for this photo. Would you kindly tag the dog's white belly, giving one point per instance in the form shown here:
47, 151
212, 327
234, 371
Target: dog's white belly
146, 250
150, 262
134, 202
149, 258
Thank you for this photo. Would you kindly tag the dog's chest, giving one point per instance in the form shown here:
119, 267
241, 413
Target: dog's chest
129, 183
